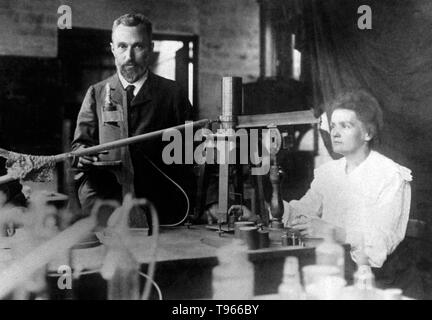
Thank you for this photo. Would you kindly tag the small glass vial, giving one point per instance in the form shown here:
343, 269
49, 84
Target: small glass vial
364, 279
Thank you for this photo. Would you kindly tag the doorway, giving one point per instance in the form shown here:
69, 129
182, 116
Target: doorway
86, 58
176, 58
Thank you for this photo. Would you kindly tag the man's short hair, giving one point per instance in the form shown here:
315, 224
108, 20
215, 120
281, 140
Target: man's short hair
133, 20
366, 107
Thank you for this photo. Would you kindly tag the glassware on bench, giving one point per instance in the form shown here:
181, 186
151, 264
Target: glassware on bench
291, 288
322, 282
330, 252
233, 278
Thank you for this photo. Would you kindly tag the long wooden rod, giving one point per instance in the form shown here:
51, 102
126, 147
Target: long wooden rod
126, 141
109, 145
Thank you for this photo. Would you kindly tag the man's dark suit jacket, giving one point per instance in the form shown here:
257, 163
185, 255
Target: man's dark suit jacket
159, 104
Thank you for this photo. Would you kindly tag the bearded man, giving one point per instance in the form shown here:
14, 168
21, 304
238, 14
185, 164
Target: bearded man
148, 103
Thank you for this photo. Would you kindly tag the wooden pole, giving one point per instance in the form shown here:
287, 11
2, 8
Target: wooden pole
109, 145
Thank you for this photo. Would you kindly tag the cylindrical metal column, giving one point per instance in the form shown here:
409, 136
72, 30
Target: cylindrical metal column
232, 101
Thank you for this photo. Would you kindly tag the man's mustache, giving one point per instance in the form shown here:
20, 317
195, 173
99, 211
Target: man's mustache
130, 64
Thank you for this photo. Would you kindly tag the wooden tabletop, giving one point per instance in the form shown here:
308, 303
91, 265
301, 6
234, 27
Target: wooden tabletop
182, 243
186, 257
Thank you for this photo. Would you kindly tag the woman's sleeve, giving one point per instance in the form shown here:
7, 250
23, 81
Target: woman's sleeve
385, 222
309, 205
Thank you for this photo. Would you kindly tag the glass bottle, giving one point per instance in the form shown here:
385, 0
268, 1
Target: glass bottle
330, 252
233, 278
121, 270
111, 113
364, 279
109, 129
291, 288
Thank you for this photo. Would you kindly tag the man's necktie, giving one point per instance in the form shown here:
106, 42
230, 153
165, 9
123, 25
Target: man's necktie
129, 94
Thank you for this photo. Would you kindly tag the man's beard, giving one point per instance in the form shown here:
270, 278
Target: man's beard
132, 72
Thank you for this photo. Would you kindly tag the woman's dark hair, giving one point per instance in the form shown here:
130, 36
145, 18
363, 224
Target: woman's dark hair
366, 107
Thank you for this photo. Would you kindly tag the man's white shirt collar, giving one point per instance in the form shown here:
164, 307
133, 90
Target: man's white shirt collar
138, 84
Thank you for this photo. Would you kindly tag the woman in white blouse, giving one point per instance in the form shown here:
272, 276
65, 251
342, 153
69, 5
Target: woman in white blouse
365, 196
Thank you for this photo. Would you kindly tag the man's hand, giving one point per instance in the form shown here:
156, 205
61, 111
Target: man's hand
86, 162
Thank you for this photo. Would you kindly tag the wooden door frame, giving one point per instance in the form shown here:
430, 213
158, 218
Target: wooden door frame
105, 36
185, 39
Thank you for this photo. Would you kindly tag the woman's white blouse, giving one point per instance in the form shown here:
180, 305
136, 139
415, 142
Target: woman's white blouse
371, 203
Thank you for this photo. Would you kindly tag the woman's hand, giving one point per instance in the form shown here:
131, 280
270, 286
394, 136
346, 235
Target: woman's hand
242, 213
316, 227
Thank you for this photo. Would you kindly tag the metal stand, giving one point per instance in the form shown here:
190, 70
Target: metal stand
230, 120
232, 101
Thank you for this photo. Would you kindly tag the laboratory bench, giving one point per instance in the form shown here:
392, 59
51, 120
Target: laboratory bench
186, 257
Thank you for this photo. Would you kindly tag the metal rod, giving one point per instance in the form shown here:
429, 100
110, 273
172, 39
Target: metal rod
277, 119
232, 101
